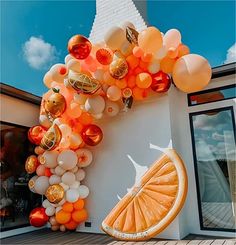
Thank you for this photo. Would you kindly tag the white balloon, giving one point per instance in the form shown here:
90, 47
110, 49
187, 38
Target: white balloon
75, 141
41, 185
50, 159
50, 211
46, 203
59, 171
72, 195
68, 178
47, 79
98, 116
83, 191
98, 74
161, 53
154, 67
55, 72
74, 65
75, 185
58, 209
80, 175
67, 159
54, 179
80, 98
95, 104
65, 130
59, 121
67, 58
112, 108
85, 157
44, 121
60, 203
64, 186
52, 170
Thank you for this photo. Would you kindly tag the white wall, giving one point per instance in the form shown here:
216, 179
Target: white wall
180, 128
112, 172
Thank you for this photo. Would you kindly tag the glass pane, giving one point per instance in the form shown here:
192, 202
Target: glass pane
224, 93
214, 143
16, 200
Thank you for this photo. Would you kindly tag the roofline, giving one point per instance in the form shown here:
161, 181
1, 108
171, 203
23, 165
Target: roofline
219, 71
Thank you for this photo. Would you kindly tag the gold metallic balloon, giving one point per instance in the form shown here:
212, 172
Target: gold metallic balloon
83, 83
55, 193
52, 138
55, 105
118, 68
31, 164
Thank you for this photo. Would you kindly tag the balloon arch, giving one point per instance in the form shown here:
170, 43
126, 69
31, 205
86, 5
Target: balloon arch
98, 80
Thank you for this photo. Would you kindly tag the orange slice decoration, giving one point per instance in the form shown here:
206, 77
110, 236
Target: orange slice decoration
152, 205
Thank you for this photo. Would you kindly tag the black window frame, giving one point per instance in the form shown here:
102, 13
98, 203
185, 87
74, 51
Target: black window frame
231, 109
208, 91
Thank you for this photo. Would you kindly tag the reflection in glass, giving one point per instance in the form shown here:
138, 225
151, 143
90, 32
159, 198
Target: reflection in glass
16, 200
213, 95
214, 142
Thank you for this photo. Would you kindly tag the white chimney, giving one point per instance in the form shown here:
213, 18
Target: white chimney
115, 12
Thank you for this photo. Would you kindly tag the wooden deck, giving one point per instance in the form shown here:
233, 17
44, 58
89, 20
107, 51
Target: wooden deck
46, 236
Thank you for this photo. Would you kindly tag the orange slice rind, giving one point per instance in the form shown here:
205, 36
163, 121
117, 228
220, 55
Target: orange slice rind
151, 205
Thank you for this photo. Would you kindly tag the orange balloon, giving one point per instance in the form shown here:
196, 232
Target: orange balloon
78, 205
71, 225
139, 93
137, 70
63, 217
167, 65
183, 50
47, 172
150, 40
80, 215
108, 79
191, 73
172, 53
122, 83
143, 80
67, 207
146, 57
132, 61
131, 82
85, 118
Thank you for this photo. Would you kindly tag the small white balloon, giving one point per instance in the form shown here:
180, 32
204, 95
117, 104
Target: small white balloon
68, 58
162, 52
65, 130
46, 203
80, 175
58, 72
58, 209
50, 211
47, 79
112, 108
68, 178
59, 121
41, 185
74, 65
54, 179
97, 116
74, 170
72, 195
75, 141
52, 170
59, 171
80, 98
64, 186
83, 191
154, 67
75, 185
85, 157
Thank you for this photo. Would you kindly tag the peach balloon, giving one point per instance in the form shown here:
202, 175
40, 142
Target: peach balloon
167, 65
73, 110
143, 80
191, 73
183, 50
137, 52
132, 61
108, 79
172, 39
150, 40
113, 93
74, 65
146, 57
85, 118
122, 83
172, 53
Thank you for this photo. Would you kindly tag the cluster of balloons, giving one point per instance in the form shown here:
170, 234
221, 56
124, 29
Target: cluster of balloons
98, 80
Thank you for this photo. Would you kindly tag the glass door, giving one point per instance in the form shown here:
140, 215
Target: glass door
213, 143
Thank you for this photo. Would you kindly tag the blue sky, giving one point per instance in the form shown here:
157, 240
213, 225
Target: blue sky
207, 27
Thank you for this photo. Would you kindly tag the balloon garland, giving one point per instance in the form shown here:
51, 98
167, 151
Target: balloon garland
98, 80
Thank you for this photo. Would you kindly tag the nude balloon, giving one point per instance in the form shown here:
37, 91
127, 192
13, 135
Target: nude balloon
150, 40
172, 39
115, 37
191, 73
67, 159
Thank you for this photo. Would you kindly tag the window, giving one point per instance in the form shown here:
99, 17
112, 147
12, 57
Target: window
212, 95
213, 137
16, 200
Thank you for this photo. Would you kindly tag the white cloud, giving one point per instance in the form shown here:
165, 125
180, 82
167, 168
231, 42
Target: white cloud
38, 53
231, 55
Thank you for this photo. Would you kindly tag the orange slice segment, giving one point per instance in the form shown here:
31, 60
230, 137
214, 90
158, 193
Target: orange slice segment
151, 205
